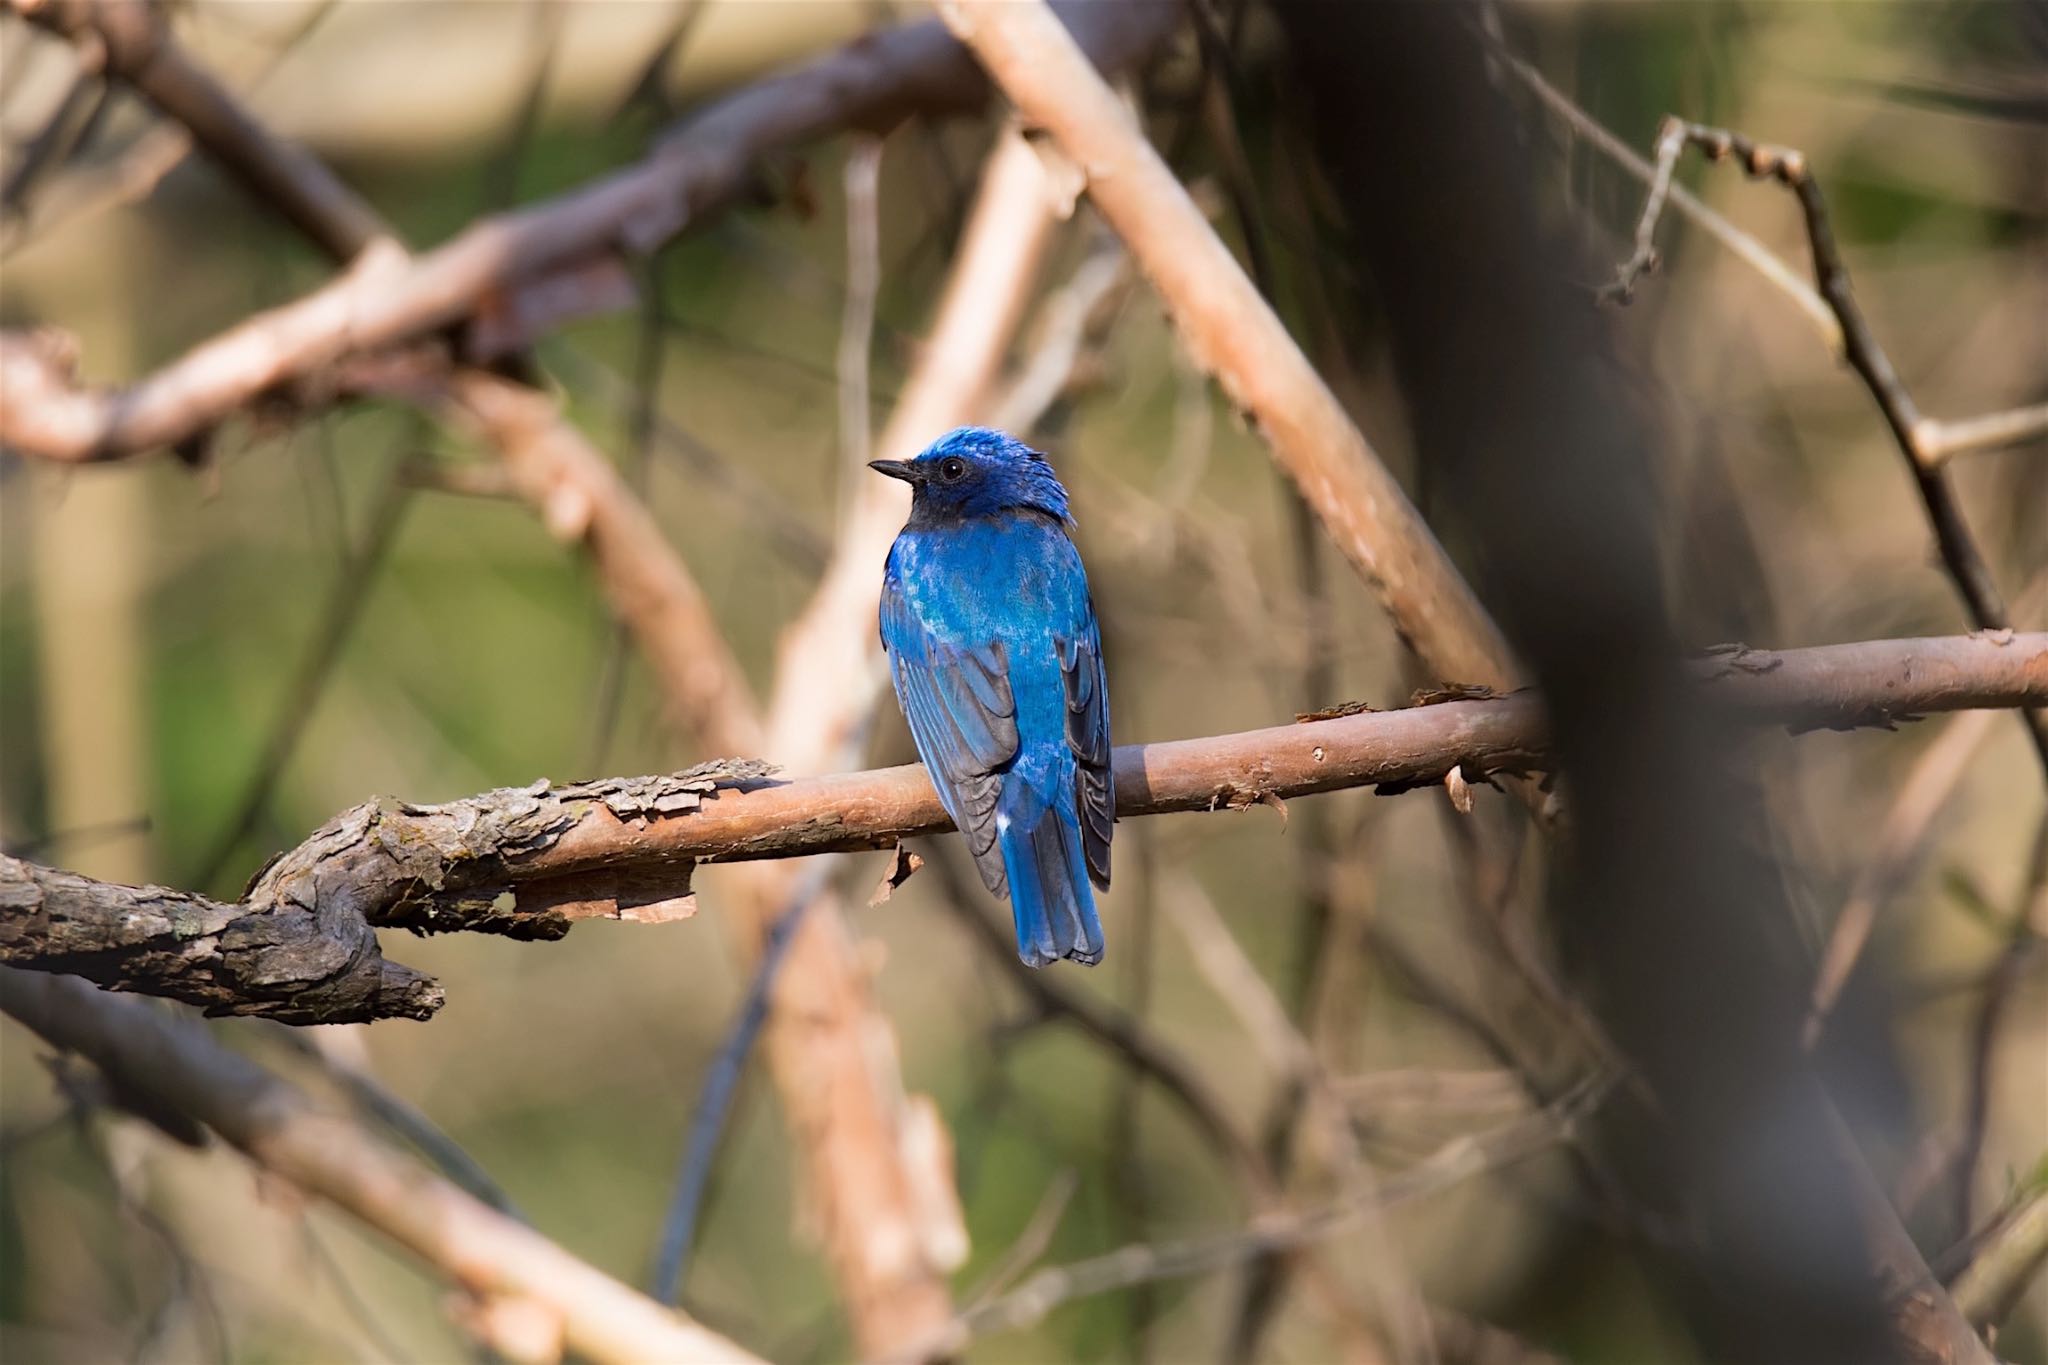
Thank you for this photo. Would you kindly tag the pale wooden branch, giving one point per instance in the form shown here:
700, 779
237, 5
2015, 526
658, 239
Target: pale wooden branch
2009, 1258
1901, 839
1234, 334
529, 862
870, 1149
135, 47
582, 499
894, 1229
507, 264
173, 1065
1397, 1305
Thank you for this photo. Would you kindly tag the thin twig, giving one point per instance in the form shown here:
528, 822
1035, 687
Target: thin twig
1454, 1163
1965, 562
691, 175
1902, 837
1746, 248
1942, 441
333, 625
1290, 1056
1142, 1050
406, 1120
2029, 930
2008, 1259
1236, 336
857, 319
714, 1101
1031, 1242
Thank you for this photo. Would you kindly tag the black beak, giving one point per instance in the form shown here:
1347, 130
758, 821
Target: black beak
898, 469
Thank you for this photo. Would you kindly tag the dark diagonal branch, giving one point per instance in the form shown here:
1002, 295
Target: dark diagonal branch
488, 271
1924, 442
527, 862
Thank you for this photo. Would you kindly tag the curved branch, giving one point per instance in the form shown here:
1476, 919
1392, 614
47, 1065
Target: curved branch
491, 268
528, 862
301, 948
1234, 334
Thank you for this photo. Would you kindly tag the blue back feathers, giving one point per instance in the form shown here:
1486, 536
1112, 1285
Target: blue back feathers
997, 662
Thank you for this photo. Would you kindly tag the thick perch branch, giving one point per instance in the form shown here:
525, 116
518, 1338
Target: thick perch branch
173, 1066
300, 946
529, 861
490, 268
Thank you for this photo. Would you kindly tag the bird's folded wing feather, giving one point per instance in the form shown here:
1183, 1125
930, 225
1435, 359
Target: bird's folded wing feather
962, 715
1088, 737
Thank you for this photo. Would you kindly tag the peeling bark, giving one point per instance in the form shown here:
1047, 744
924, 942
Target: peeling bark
301, 947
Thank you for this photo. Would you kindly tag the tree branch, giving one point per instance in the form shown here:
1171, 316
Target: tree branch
491, 270
1925, 443
528, 862
300, 947
1234, 334
173, 1065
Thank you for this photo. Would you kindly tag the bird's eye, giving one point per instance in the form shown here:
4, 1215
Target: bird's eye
952, 469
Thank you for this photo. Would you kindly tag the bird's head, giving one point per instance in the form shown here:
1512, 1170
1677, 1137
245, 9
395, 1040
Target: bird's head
975, 472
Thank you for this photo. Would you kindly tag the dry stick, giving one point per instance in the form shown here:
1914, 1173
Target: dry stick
714, 1101
854, 1130
1454, 1163
1902, 837
893, 1234
176, 1065
714, 158
142, 166
402, 1118
2029, 930
1940, 440
1912, 432
332, 627
1128, 1035
1234, 334
2001, 1268
1289, 1055
530, 861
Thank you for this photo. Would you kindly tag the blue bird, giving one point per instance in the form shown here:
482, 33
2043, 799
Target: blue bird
998, 665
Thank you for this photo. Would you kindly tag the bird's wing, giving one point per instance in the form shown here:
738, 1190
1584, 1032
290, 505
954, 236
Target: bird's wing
1088, 737
964, 719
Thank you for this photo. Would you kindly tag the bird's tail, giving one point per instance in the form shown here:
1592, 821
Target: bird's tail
1049, 893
